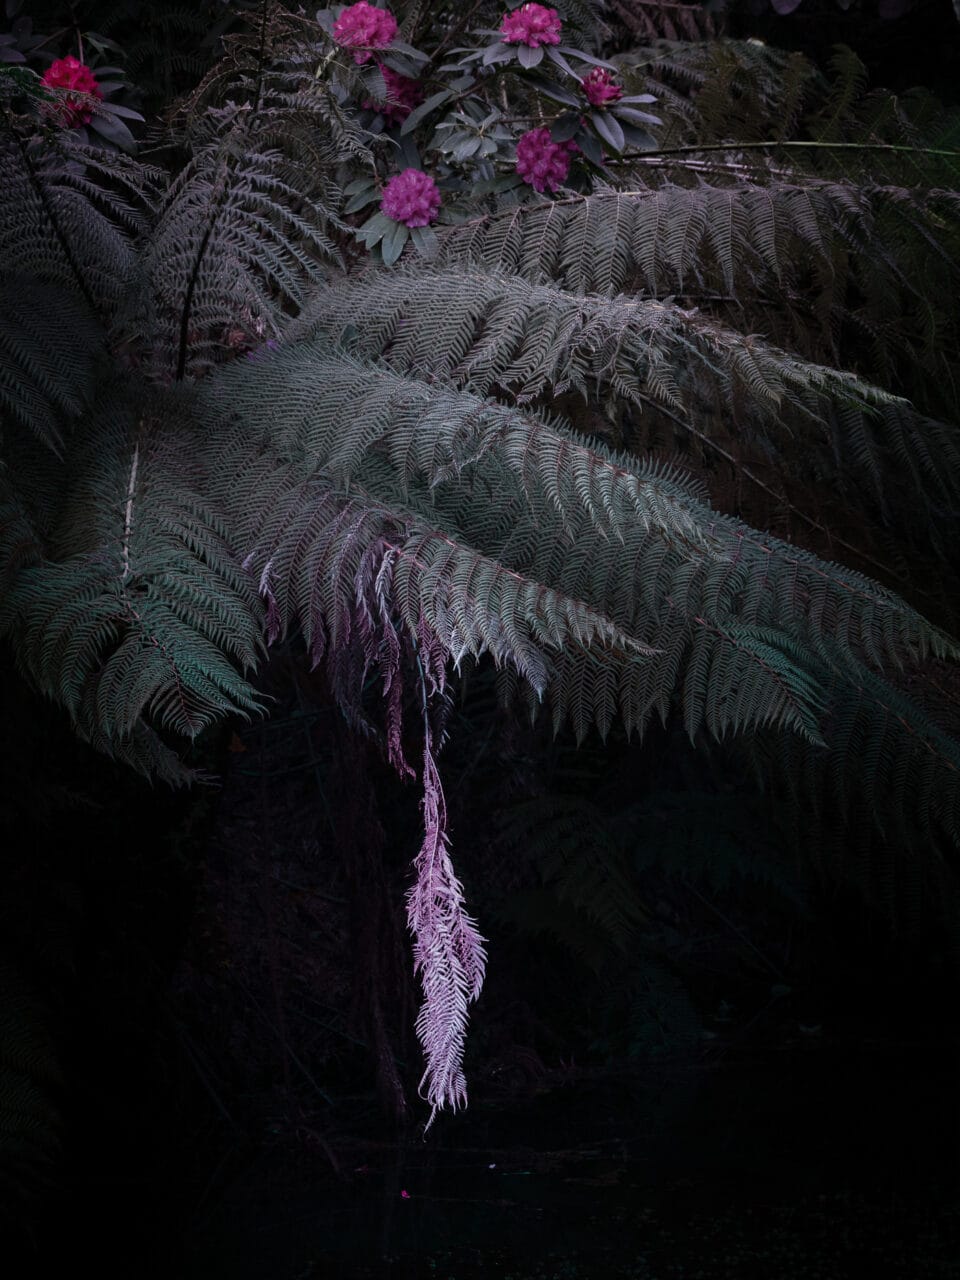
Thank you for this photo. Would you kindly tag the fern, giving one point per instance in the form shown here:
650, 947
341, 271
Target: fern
509, 337
395, 484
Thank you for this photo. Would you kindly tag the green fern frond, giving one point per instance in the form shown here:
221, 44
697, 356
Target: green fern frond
139, 612
72, 214
507, 336
50, 347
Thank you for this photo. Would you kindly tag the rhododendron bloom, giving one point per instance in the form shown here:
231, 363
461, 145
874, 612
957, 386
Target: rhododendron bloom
403, 94
532, 25
68, 73
600, 87
363, 26
541, 161
411, 198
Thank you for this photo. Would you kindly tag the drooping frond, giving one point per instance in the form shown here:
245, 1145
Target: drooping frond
72, 214
448, 952
430, 432
453, 507
793, 262
506, 336
648, 20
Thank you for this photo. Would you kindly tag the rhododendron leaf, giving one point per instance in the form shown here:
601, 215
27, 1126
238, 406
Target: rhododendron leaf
608, 127
399, 63
498, 52
115, 131
639, 138
393, 243
374, 229
424, 109
425, 241
639, 97
556, 56
529, 57
590, 147
565, 126
635, 117
585, 57
360, 200
402, 47
466, 149
114, 109
553, 91
409, 153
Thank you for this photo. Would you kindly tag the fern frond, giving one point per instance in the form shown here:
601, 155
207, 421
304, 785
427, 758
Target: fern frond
49, 349
138, 616
72, 214
431, 433
507, 336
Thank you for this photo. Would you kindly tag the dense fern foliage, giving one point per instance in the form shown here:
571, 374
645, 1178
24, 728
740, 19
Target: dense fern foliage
621, 442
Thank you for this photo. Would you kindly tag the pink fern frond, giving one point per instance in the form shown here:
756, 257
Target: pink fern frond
448, 952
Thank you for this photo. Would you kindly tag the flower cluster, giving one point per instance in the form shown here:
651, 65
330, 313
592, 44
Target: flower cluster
600, 87
403, 94
411, 198
68, 73
541, 161
363, 26
532, 25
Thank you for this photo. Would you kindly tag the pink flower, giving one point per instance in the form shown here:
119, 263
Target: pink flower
363, 26
68, 73
532, 25
411, 198
541, 161
600, 87
403, 94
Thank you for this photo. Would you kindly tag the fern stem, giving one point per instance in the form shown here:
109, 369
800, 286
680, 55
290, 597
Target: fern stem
261, 56
128, 513
694, 148
195, 277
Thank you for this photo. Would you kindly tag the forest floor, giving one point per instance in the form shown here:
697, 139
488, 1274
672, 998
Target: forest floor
811, 1168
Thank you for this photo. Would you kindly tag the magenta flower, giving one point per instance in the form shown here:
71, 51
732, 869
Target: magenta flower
532, 25
541, 161
600, 87
364, 27
68, 73
411, 198
403, 94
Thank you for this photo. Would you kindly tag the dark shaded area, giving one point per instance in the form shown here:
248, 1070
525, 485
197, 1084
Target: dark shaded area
223, 990
208, 1065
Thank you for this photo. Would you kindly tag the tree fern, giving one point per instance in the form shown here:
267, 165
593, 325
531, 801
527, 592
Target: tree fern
236, 431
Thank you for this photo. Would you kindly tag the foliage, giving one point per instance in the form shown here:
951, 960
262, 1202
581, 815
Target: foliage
233, 415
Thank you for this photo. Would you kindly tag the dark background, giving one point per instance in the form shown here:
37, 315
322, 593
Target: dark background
208, 1007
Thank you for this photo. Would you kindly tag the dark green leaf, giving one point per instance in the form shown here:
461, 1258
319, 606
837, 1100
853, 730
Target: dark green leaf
425, 241
608, 128
565, 126
424, 109
528, 57
393, 243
